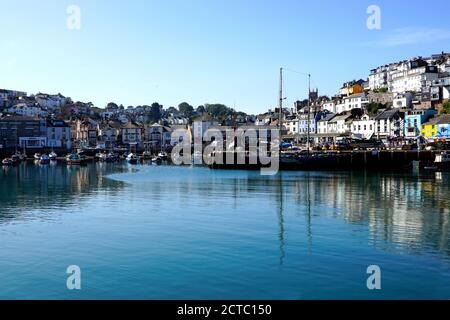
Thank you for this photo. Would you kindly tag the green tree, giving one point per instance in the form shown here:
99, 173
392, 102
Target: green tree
186, 109
218, 110
446, 108
201, 109
155, 112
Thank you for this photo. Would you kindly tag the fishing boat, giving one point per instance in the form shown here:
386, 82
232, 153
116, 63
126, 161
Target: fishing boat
75, 159
52, 156
107, 157
132, 158
45, 159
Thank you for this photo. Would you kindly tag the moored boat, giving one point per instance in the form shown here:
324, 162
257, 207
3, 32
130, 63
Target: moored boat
75, 159
45, 159
163, 155
7, 162
132, 158
147, 155
37, 156
52, 156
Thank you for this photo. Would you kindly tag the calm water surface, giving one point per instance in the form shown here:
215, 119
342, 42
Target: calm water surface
148, 232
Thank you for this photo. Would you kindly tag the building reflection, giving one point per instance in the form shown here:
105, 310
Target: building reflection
31, 187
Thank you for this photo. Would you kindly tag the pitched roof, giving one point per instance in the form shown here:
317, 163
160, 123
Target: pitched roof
442, 119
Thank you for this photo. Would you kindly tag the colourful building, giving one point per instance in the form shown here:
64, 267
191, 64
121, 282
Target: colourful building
414, 120
437, 127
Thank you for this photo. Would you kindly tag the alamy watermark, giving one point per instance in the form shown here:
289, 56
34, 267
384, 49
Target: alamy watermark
74, 279
74, 17
374, 280
248, 145
374, 19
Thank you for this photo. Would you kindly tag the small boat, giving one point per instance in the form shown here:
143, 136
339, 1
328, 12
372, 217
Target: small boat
132, 158
45, 159
7, 162
16, 159
147, 155
163, 155
75, 159
442, 161
157, 160
37, 156
52, 156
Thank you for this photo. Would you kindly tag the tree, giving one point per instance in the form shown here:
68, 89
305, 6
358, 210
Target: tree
201, 109
220, 111
373, 108
155, 112
446, 108
186, 109
112, 105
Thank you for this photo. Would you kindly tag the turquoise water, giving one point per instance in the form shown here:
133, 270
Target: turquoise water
149, 232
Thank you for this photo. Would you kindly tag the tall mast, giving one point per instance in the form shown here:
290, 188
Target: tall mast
309, 111
280, 118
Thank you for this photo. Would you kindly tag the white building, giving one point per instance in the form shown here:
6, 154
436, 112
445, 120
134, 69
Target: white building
25, 110
323, 124
59, 135
412, 76
356, 101
403, 100
364, 127
50, 101
389, 124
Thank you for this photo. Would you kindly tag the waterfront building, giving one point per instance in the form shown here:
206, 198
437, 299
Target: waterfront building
389, 124
363, 128
340, 124
414, 120
132, 134
157, 136
323, 123
108, 134
201, 124
437, 127
59, 135
24, 132
86, 133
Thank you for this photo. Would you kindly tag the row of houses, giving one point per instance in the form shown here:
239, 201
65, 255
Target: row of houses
387, 125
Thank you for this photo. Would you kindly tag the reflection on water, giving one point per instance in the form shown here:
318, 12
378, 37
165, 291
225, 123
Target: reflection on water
34, 187
172, 232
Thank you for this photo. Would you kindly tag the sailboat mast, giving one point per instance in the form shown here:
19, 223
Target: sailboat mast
309, 113
280, 106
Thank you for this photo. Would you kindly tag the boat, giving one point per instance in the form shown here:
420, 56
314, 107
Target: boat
107, 157
442, 161
37, 156
45, 159
52, 156
163, 155
75, 159
147, 155
157, 160
16, 159
7, 162
132, 158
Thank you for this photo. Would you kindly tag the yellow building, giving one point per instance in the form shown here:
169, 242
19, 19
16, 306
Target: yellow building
429, 129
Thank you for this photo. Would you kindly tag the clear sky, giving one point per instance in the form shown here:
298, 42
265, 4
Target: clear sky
206, 51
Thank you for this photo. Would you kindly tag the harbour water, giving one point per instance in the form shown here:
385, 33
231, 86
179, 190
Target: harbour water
164, 232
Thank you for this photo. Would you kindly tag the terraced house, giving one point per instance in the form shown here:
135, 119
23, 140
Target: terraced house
437, 127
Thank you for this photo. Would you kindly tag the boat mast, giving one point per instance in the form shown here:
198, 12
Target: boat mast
280, 106
309, 112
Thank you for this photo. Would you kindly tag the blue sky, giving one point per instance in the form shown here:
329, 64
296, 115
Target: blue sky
141, 51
